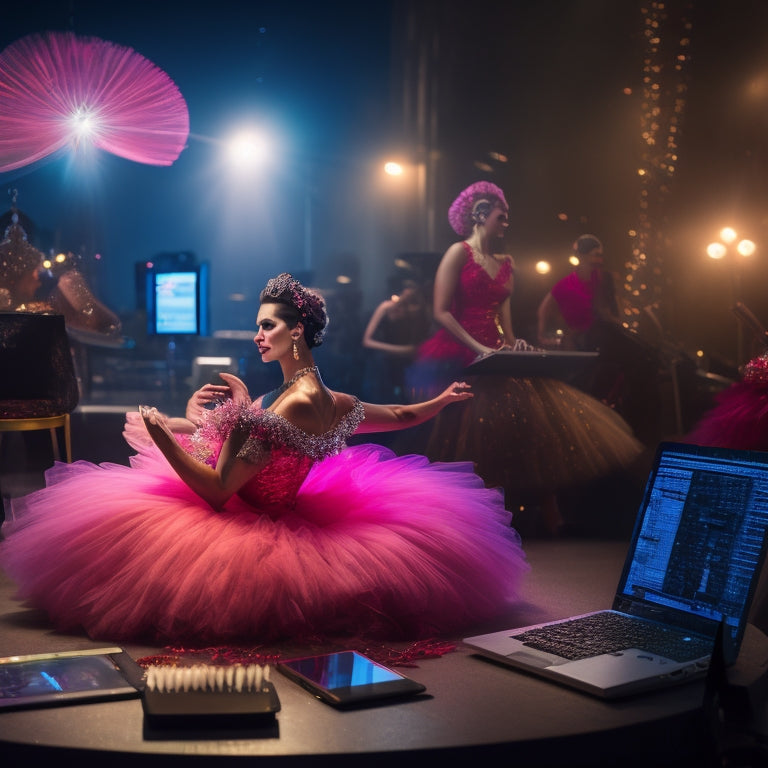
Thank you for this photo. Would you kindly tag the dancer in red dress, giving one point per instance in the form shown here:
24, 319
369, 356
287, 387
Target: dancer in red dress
531, 436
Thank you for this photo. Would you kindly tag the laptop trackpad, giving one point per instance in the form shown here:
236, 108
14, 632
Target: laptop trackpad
629, 665
535, 660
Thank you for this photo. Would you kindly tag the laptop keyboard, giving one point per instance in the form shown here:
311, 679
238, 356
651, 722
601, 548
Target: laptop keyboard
611, 632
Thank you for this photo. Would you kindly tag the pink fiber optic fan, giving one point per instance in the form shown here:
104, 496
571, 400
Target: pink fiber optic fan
59, 91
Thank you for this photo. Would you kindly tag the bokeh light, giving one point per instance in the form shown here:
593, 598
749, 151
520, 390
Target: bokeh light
393, 168
716, 251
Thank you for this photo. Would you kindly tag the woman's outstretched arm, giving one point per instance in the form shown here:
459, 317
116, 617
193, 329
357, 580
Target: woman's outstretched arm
387, 418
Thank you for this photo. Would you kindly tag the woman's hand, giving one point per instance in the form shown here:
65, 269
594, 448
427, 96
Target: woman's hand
519, 345
155, 422
386, 418
207, 394
456, 392
237, 389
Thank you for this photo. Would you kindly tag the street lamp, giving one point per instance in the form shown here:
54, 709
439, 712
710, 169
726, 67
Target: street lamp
738, 250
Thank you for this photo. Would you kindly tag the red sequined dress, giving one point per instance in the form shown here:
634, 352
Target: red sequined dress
530, 436
326, 540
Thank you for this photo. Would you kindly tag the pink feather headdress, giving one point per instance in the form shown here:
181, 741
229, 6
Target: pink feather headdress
460, 212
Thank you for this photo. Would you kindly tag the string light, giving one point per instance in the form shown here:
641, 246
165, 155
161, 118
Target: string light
663, 100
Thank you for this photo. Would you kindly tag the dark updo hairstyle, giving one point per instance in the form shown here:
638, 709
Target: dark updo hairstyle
586, 244
297, 304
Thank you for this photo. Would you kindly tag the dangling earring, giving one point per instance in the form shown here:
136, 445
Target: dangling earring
295, 350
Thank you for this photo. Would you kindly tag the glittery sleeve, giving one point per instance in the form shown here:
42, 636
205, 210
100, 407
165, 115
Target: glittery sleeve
267, 430
270, 429
215, 427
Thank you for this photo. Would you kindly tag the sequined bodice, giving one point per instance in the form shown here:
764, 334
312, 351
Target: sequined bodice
276, 485
477, 301
291, 451
476, 306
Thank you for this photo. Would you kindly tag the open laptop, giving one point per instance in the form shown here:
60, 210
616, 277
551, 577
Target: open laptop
693, 563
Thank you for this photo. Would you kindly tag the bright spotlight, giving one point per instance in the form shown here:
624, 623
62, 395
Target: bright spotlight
247, 150
543, 267
716, 251
728, 235
746, 248
393, 169
83, 124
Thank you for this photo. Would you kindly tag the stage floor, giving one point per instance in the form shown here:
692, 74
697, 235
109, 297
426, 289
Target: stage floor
473, 709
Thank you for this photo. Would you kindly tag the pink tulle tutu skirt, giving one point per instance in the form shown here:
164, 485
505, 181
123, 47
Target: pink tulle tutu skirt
375, 545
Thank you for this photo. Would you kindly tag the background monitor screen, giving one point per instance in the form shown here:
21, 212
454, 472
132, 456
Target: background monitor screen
177, 301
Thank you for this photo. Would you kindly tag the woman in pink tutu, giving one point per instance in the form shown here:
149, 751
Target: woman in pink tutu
254, 520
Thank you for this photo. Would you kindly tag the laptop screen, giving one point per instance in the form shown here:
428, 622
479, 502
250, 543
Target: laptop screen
699, 539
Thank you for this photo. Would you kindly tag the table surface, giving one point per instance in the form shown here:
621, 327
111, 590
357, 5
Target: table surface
470, 704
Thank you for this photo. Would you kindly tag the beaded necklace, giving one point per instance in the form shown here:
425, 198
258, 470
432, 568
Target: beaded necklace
270, 397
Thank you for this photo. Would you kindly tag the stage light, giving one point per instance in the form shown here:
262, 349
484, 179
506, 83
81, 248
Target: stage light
725, 248
392, 168
248, 150
84, 125
716, 251
62, 92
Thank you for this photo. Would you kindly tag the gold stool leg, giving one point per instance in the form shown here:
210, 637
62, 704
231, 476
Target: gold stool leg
67, 439
55, 444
